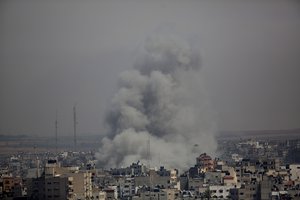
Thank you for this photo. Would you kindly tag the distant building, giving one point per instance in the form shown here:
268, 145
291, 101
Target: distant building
11, 187
295, 172
60, 183
205, 162
219, 191
155, 194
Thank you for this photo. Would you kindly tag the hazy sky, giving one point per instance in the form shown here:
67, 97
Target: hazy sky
54, 54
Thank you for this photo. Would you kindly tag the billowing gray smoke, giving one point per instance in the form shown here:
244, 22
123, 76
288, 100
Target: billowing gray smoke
162, 101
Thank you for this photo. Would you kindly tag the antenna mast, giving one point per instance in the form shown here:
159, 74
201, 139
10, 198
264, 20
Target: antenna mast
56, 128
148, 153
75, 124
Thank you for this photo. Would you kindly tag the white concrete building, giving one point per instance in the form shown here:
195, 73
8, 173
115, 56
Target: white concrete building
220, 191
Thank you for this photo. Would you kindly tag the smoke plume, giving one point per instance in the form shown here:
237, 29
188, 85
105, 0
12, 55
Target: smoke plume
160, 100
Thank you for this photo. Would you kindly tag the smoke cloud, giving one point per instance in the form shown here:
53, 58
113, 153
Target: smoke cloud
160, 100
